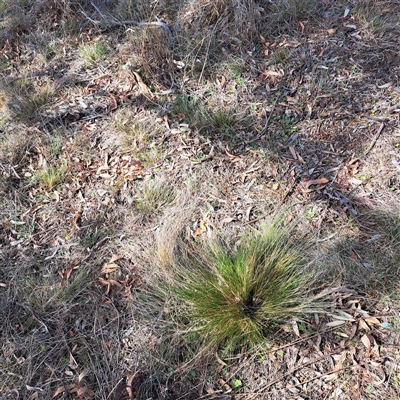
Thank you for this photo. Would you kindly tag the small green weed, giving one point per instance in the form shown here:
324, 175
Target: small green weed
237, 383
39, 100
156, 195
288, 125
23, 230
369, 389
93, 52
192, 373
237, 70
150, 155
311, 213
303, 327
185, 108
280, 55
222, 119
51, 177
137, 134
90, 237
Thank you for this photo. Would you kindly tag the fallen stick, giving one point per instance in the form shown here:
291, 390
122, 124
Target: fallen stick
114, 22
285, 196
374, 140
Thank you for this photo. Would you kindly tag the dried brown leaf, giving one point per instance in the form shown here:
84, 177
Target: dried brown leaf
335, 323
109, 268
293, 152
320, 181
372, 321
363, 325
202, 228
271, 73
62, 389
370, 344
83, 374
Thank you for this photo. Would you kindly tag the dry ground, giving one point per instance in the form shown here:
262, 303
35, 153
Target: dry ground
116, 138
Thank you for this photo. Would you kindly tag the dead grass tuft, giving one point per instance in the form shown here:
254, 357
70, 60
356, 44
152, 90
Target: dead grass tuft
25, 100
370, 258
294, 9
368, 13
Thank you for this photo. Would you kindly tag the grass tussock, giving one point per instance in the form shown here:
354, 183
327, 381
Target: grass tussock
45, 324
294, 10
51, 177
233, 295
134, 134
25, 100
156, 194
93, 52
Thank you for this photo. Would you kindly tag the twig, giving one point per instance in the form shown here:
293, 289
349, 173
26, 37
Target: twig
95, 247
38, 320
327, 238
114, 22
374, 140
379, 119
53, 255
294, 183
267, 118
391, 109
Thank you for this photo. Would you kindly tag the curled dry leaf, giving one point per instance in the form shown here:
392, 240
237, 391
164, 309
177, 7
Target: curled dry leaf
63, 389
271, 73
363, 325
366, 341
320, 183
66, 273
110, 266
202, 228
370, 344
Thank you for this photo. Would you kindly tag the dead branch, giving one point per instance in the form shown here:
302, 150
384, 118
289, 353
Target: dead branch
374, 140
113, 22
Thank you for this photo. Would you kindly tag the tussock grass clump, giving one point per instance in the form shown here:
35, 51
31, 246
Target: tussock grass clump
93, 52
367, 12
289, 10
24, 100
233, 296
156, 194
51, 177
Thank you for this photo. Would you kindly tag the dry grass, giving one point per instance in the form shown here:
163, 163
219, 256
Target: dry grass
370, 259
25, 100
250, 105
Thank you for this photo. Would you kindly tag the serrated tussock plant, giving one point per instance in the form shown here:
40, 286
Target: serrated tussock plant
234, 295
